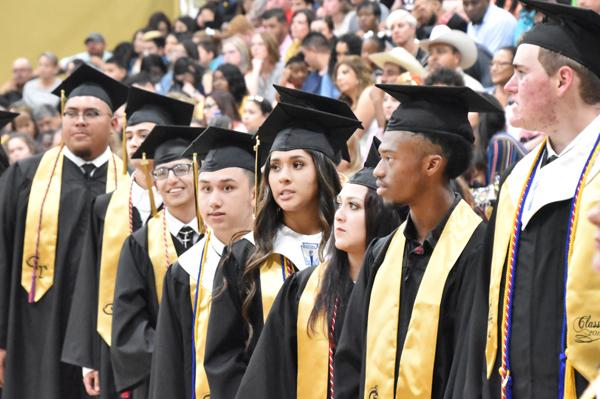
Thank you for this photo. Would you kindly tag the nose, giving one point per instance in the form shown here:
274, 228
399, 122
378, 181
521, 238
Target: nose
214, 200
339, 214
284, 175
511, 85
378, 171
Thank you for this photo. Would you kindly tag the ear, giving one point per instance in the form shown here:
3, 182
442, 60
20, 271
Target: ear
114, 122
433, 164
564, 78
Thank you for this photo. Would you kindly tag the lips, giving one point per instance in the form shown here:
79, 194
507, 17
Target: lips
175, 190
285, 195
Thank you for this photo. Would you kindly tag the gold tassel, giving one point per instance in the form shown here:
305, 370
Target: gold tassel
201, 228
256, 168
569, 389
124, 144
63, 100
149, 184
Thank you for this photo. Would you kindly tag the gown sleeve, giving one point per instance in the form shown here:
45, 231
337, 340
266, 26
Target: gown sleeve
132, 330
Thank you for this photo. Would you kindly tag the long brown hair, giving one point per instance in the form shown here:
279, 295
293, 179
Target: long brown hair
269, 218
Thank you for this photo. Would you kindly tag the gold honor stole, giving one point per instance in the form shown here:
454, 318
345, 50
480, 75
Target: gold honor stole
312, 346
161, 249
201, 305
113, 237
583, 293
272, 275
415, 374
41, 228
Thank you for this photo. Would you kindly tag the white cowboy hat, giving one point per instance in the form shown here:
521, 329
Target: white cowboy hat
401, 57
442, 34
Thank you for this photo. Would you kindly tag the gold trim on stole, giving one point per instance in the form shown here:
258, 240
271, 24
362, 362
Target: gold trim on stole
312, 346
415, 374
42, 216
160, 256
115, 232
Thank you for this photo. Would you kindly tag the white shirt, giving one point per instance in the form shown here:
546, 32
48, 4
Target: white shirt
496, 30
557, 180
302, 250
190, 260
471, 82
174, 224
141, 200
98, 162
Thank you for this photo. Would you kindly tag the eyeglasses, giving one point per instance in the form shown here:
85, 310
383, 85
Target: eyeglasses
88, 114
179, 170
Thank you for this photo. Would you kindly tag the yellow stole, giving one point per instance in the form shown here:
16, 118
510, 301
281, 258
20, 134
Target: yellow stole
415, 374
201, 324
161, 249
313, 346
116, 230
41, 228
272, 276
583, 295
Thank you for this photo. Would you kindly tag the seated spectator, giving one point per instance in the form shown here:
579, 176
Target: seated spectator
297, 5
187, 78
395, 62
208, 17
347, 45
47, 119
255, 112
38, 91
21, 73
24, 123
19, 146
159, 22
452, 49
153, 43
295, 72
141, 81
339, 11
275, 22
185, 23
95, 52
372, 43
317, 52
209, 56
154, 66
113, 68
444, 77
299, 29
403, 28
368, 17
266, 66
220, 103
489, 24
236, 52
501, 71
426, 12
72, 66
229, 78
323, 26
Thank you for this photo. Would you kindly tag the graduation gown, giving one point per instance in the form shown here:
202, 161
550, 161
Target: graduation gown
33, 333
273, 368
83, 346
227, 354
135, 313
349, 363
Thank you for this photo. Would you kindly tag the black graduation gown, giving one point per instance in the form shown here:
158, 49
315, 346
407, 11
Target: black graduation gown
135, 313
33, 333
454, 311
273, 368
226, 355
537, 312
83, 346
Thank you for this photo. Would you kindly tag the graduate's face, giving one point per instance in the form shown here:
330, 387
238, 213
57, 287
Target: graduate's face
226, 200
403, 165
135, 136
177, 192
532, 101
293, 180
350, 229
87, 126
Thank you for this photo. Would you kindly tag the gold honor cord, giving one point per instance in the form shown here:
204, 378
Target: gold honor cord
124, 145
256, 168
149, 183
201, 228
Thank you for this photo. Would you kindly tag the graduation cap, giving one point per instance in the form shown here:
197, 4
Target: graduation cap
88, 81
364, 177
166, 143
303, 98
6, 117
223, 148
145, 106
570, 31
436, 109
292, 127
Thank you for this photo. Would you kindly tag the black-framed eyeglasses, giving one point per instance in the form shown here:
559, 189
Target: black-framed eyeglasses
179, 170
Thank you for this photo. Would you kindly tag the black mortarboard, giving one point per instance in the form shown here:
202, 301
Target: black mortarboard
364, 177
292, 127
166, 143
570, 31
145, 106
6, 117
436, 109
223, 148
88, 81
325, 104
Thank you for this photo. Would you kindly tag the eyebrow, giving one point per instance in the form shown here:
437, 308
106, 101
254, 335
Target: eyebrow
352, 199
71, 108
292, 158
224, 180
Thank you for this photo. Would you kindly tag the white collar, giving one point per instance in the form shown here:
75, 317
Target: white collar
174, 224
566, 170
99, 161
190, 259
140, 198
302, 250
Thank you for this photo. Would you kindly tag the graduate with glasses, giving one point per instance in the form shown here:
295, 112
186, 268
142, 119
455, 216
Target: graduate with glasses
124, 211
294, 355
299, 147
147, 253
225, 203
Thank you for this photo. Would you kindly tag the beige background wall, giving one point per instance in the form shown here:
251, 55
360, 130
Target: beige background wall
29, 27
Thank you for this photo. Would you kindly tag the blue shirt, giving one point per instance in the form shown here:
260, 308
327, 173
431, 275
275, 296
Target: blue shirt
496, 30
321, 85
